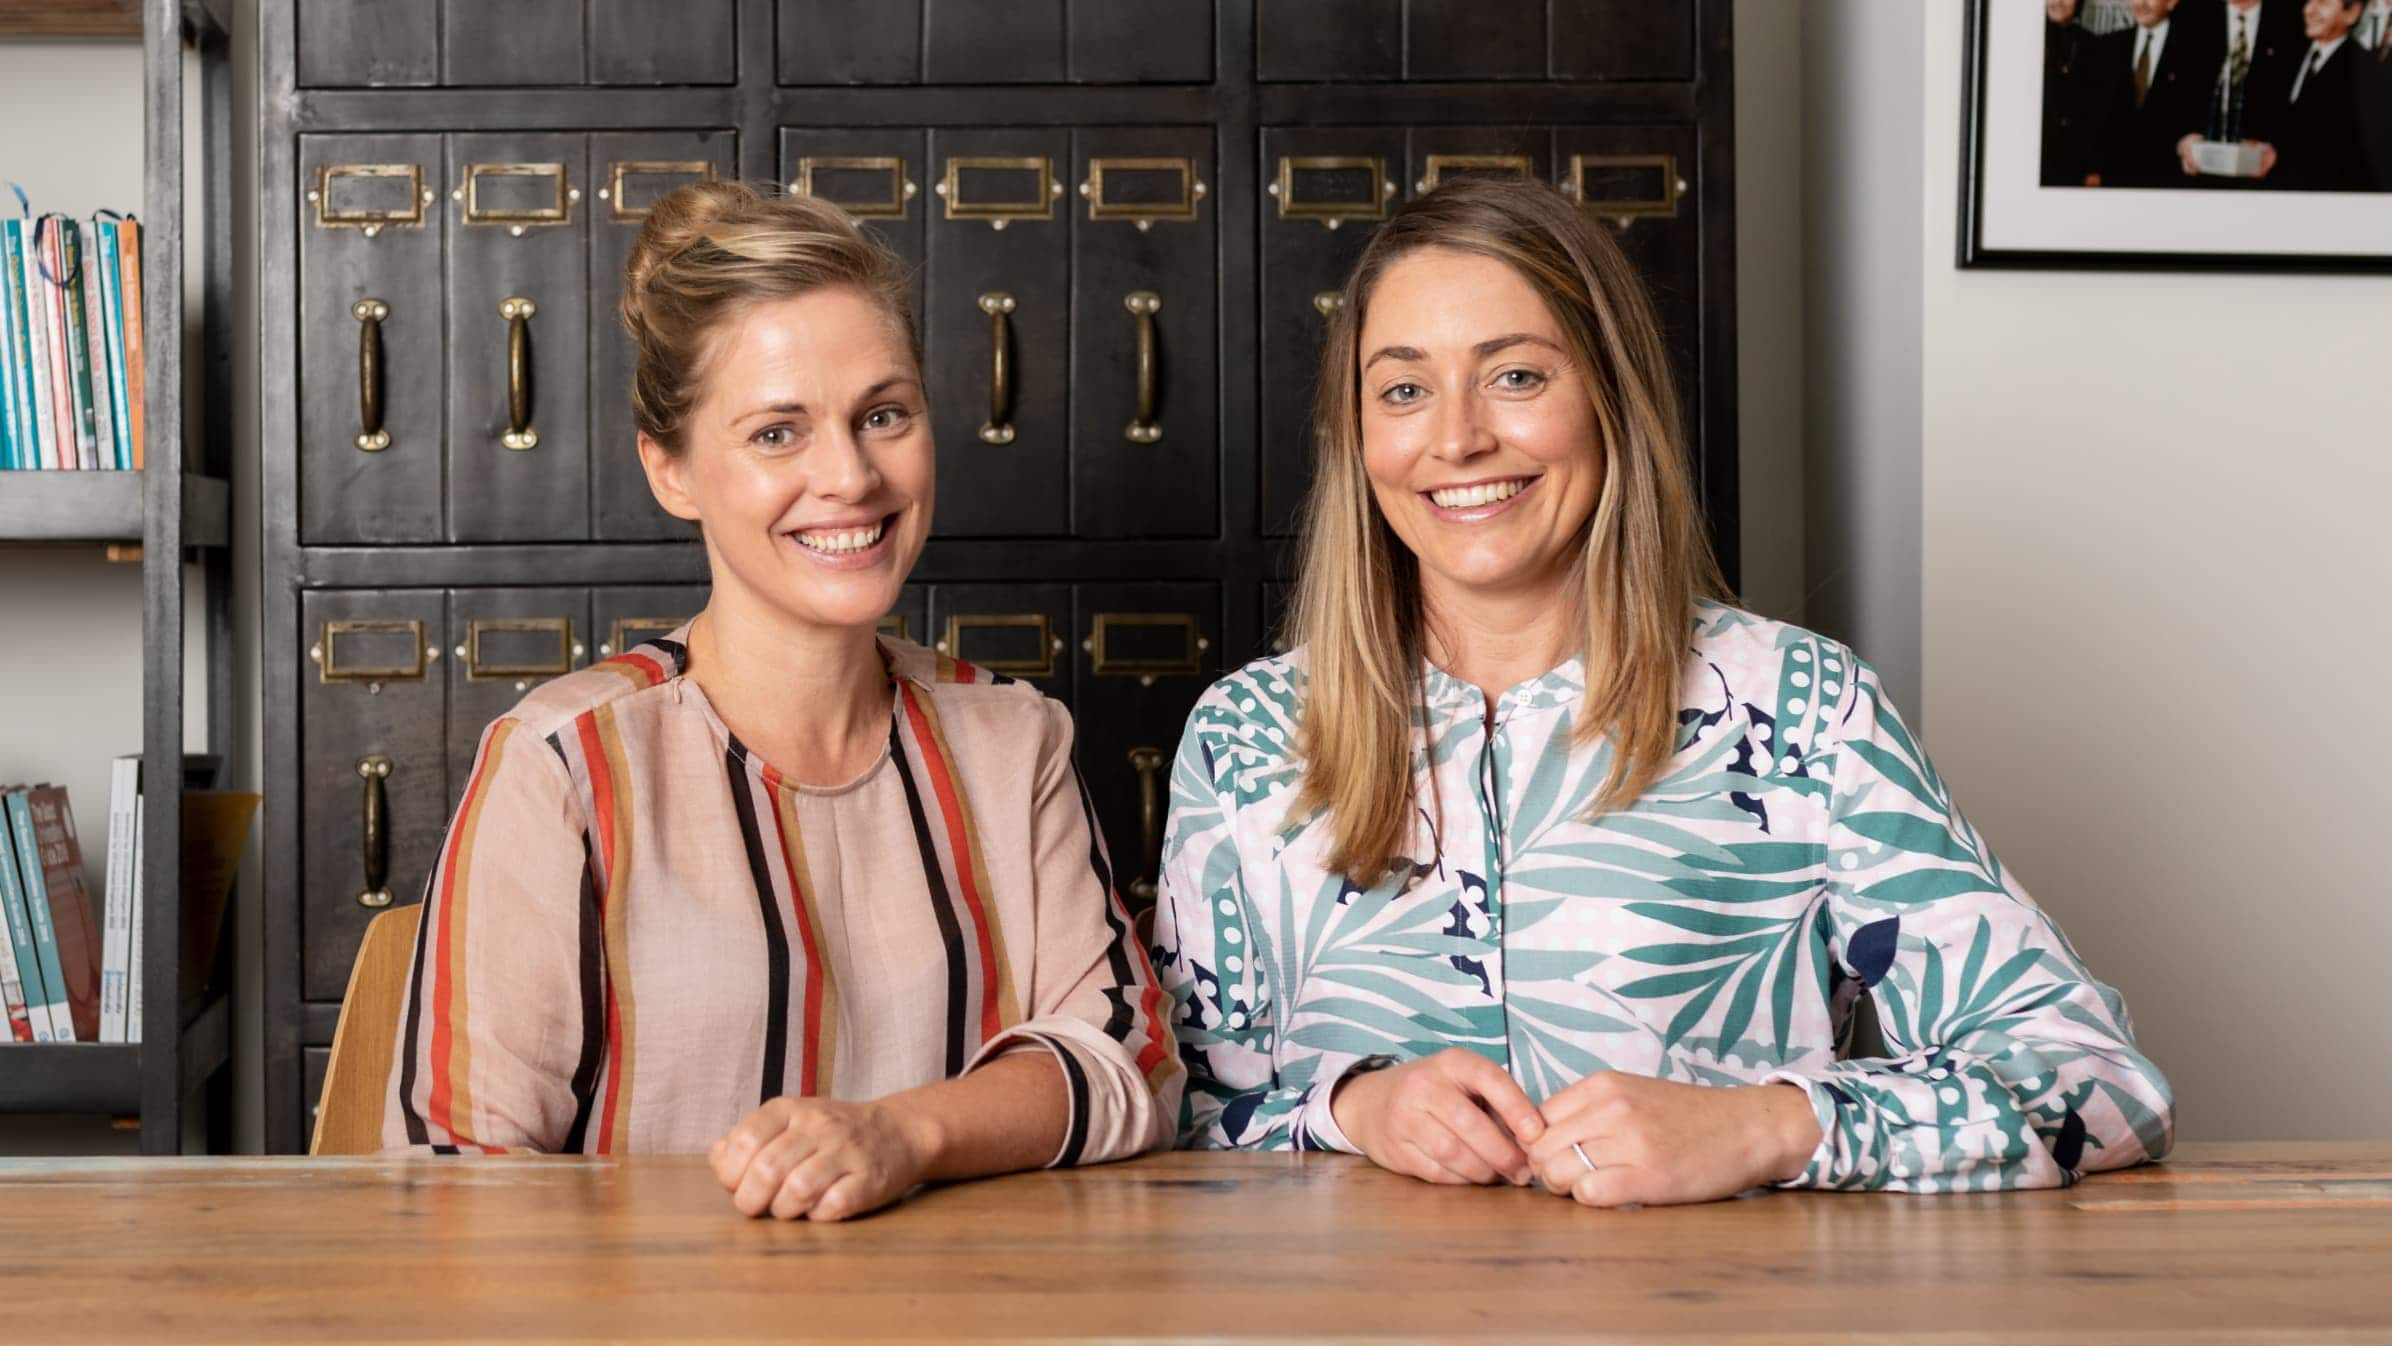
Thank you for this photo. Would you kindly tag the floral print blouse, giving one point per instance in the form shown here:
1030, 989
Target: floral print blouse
1798, 853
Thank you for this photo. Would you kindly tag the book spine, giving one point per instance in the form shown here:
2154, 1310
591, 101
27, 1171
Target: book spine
116, 943
20, 348
37, 350
133, 971
69, 270
37, 913
65, 445
12, 985
95, 344
129, 236
20, 929
10, 434
112, 283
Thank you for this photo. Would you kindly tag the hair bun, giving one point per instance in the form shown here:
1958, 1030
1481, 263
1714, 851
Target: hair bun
681, 218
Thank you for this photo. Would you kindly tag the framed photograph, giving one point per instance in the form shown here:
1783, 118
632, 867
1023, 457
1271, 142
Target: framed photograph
2177, 135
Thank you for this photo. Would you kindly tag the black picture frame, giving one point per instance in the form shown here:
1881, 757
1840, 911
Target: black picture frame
1972, 253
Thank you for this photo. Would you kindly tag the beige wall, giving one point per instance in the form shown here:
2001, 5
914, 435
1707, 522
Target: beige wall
2155, 546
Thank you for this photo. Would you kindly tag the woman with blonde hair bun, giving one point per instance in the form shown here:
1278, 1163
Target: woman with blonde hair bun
1536, 860
824, 906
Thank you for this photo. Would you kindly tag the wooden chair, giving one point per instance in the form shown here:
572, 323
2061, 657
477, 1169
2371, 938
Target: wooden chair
349, 1116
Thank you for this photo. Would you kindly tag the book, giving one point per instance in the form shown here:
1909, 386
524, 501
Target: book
60, 908
116, 926
66, 273
38, 378
20, 921
133, 970
9, 394
12, 984
14, 316
128, 239
95, 345
112, 281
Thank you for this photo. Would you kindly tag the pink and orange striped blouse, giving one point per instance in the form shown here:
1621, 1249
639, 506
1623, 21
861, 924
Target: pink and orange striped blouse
638, 931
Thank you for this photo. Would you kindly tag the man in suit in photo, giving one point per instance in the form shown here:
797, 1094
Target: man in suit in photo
2075, 97
2316, 132
2158, 78
2372, 86
2254, 48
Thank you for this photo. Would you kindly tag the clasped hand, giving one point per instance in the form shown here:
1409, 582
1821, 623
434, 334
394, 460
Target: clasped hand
819, 1158
1457, 1117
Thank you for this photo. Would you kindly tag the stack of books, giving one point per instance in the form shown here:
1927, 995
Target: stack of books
70, 342
59, 972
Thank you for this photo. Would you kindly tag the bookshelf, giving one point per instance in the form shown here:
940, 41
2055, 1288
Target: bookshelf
175, 1082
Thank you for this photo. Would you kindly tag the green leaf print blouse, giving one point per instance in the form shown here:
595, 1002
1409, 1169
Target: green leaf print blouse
1798, 853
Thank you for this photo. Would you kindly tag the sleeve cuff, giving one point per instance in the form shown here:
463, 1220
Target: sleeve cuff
1321, 1131
1823, 1108
1075, 1085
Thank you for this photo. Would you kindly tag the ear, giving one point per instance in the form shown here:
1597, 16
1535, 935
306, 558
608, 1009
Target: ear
666, 474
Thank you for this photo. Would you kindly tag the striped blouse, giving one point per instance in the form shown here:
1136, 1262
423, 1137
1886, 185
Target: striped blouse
637, 930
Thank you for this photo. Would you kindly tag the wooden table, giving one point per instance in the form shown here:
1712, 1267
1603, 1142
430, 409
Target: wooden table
2229, 1243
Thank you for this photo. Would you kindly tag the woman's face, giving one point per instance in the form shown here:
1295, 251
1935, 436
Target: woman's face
1478, 427
807, 458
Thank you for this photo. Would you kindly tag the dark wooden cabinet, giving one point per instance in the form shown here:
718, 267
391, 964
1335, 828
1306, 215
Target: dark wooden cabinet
1148, 203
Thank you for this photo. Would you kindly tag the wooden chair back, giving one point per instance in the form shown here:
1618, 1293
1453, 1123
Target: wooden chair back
349, 1116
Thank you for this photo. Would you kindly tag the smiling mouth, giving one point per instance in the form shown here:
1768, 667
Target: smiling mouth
1479, 493
843, 541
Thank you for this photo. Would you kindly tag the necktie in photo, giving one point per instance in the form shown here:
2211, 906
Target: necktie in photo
2142, 67
2308, 68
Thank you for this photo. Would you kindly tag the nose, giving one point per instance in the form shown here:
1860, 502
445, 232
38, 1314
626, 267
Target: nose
1461, 432
840, 469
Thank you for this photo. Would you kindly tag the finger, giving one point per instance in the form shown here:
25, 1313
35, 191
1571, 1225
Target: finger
1615, 1186
1494, 1086
807, 1182
1558, 1167
1487, 1139
730, 1155
1437, 1140
845, 1198
762, 1181
1425, 1166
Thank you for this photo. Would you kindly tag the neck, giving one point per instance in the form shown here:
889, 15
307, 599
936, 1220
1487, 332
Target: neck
812, 700
1496, 641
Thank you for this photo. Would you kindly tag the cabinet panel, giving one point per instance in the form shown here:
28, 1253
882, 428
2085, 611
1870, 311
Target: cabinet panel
1325, 191
975, 42
518, 428
373, 698
503, 643
1145, 42
1641, 180
1475, 39
387, 44
850, 42
876, 175
315, 1063
1440, 154
1146, 651
628, 616
370, 327
630, 171
1623, 39
631, 43
1144, 378
1019, 630
910, 619
516, 43
1328, 39
997, 300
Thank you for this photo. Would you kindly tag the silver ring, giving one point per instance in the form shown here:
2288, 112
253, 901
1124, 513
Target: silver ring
1574, 1149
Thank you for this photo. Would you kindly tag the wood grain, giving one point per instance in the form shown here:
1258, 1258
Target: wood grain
349, 1120
1223, 1247
70, 18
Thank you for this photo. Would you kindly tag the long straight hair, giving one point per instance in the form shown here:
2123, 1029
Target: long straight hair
1645, 560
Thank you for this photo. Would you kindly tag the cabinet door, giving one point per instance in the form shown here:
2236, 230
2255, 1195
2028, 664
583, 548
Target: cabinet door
1640, 179
1475, 39
515, 43
850, 42
315, 1063
518, 340
1140, 41
1019, 630
1440, 154
632, 43
631, 170
371, 233
1306, 40
629, 616
1276, 598
388, 44
1623, 39
1147, 651
975, 42
1324, 191
372, 705
997, 299
910, 619
1144, 376
505, 642
876, 176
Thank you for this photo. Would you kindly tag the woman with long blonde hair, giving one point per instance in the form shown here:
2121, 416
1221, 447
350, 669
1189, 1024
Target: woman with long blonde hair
1536, 860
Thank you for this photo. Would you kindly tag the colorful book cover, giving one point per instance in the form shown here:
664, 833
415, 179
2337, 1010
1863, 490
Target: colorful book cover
66, 265
20, 352
95, 347
112, 284
9, 393
31, 880
66, 449
37, 346
129, 244
12, 984
75, 934
20, 924
116, 926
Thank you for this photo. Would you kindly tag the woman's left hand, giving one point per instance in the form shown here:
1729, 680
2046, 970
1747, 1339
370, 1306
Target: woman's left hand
818, 1158
1657, 1143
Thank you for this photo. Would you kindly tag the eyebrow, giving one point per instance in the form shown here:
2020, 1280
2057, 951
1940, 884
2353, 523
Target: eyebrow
801, 409
1482, 350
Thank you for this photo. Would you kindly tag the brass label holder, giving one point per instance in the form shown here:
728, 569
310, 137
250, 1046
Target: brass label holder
1104, 661
369, 222
699, 170
1049, 646
1624, 209
1039, 205
893, 207
1331, 213
330, 667
517, 219
1436, 166
479, 669
1143, 213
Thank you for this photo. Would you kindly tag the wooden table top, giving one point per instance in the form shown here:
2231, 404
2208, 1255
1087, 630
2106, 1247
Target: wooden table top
2227, 1243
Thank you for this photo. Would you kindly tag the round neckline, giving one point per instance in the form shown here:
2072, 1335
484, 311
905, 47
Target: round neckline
773, 775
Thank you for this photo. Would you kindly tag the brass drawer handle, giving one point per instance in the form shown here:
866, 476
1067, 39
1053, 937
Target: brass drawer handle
518, 312
371, 437
375, 895
1146, 762
998, 428
1143, 305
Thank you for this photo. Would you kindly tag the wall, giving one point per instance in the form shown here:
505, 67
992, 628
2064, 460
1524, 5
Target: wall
2153, 546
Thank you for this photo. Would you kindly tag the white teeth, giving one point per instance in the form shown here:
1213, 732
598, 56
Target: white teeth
841, 540
1464, 497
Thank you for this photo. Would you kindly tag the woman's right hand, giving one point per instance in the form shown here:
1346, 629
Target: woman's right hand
1455, 1117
